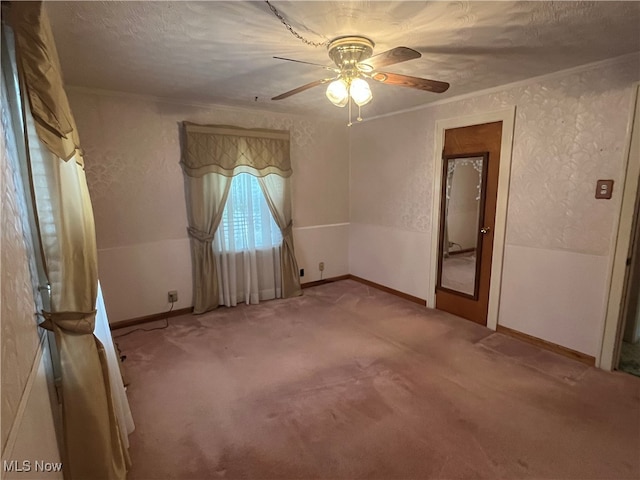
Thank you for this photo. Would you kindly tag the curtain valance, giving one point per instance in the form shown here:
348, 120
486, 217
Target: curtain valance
42, 80
229, 151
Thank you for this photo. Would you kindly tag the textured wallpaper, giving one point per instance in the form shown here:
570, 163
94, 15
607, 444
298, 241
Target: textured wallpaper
19, 333
391, 183
132, 152
570, 131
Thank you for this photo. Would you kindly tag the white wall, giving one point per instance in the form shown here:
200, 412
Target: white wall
390, 256
136, 184
27, 426
570, 131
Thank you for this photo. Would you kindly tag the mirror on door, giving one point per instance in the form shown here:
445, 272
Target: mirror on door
462, 205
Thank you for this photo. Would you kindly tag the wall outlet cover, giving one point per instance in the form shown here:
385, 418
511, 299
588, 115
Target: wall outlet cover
604, 189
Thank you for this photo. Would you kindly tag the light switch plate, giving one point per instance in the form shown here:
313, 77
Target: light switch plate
604, 189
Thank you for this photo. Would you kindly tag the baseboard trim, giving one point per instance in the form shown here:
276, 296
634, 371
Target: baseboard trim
150, 318
553, 347
397, 293
175, 313
323, 281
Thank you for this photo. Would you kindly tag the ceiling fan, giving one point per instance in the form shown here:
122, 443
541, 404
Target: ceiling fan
355, 64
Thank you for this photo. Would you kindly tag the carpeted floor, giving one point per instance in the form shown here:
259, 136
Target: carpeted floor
348, 382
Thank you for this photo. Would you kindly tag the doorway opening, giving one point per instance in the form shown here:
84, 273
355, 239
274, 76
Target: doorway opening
629, 348
482, 241
629, 356
621, 322
471, 163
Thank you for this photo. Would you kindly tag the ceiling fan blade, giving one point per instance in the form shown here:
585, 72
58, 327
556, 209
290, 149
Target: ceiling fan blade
411, 82
391, 57
307, 63
302, 88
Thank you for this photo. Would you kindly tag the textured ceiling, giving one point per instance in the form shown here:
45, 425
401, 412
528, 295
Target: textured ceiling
221, 52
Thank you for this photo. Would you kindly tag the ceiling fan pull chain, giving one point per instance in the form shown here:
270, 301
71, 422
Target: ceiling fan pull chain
359, 114
350, 122
290, 28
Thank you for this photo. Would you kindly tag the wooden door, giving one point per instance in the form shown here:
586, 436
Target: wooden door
465, 252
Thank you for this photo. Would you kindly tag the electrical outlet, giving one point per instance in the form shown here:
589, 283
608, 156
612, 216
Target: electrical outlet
172, 296
302, 272
321, 266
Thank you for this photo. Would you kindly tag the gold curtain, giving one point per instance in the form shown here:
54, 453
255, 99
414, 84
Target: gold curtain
228, 151
211, 155
93, 448
40, 72
277, 191
206, 197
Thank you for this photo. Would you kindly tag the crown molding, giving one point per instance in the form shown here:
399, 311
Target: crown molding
528, 81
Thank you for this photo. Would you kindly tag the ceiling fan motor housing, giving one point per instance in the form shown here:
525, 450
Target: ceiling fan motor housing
348, 51
352, 55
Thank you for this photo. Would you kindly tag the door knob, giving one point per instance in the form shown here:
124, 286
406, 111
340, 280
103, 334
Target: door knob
485, 230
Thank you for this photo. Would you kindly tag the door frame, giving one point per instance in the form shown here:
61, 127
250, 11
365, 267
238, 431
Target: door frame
507, 117
607, 357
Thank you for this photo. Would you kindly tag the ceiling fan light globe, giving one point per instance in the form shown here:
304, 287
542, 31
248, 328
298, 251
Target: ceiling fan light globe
337, 93
360, 91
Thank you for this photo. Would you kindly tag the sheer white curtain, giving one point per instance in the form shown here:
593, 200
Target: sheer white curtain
247, 246
118, 392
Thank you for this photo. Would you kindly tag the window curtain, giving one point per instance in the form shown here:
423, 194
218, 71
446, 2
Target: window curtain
211, 156
277, 191
118, 393
247, 245
206, 196
93, 443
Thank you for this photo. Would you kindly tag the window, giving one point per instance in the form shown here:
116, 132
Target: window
247, 222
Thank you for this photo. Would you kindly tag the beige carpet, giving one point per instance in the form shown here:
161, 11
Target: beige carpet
348, 382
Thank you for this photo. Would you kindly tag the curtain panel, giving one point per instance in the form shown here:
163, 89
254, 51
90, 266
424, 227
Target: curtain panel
93, 445
211, 156
41, 74
277, 191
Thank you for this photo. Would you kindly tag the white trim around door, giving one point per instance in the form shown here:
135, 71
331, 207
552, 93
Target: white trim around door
507, 117
612, 330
